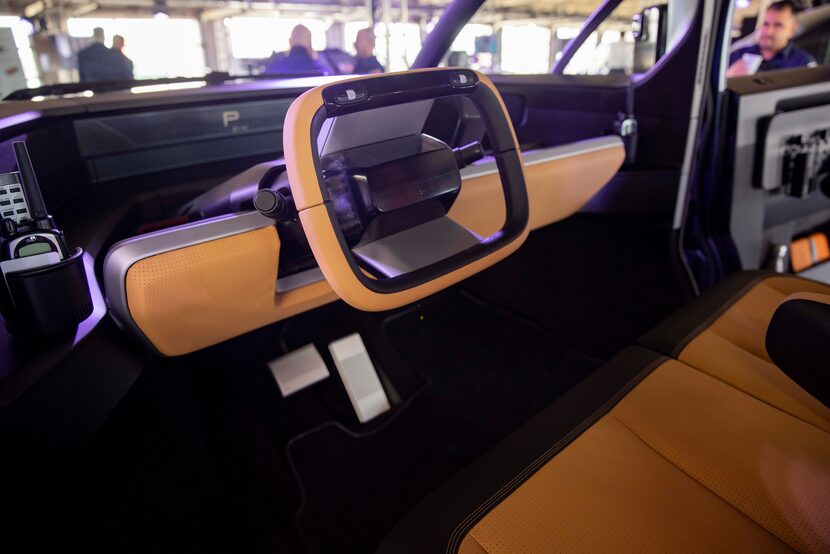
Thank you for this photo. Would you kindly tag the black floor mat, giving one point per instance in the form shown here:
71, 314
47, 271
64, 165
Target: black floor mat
196, 457
487, 372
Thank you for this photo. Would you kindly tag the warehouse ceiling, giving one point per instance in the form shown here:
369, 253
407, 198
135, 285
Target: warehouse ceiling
212, 9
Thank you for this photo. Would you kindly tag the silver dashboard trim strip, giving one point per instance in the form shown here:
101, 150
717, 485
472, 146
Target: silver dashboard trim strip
299, 280
544, 155
126, 253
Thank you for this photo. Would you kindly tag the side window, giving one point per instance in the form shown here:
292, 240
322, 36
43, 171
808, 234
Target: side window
510, 37
617, 45
511, 42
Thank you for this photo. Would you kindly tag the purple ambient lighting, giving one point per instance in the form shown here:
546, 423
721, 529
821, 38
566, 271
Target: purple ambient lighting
99, 306
18, 119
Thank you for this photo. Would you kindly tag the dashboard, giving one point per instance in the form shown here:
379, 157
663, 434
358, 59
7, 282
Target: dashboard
154, 173
104, 176
170, 163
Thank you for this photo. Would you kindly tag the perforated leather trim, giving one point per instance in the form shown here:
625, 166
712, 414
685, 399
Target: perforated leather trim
465, 526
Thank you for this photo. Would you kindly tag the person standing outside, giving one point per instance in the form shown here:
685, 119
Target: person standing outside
95, 61
365, 61
299, 59
123, 64
774, 49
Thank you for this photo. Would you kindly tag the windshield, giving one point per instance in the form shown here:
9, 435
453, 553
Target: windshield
112, 44
106, 43
171, 44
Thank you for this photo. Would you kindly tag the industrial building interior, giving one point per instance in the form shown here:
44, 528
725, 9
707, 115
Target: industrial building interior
408, 276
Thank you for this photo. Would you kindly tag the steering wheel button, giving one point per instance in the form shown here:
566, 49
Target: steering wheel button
351, 95
462, 79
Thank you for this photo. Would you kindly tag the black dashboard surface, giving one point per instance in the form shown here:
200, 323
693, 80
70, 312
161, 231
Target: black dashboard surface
106, 165
109, 162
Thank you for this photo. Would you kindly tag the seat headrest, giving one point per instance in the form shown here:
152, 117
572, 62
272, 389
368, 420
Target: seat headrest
798, 341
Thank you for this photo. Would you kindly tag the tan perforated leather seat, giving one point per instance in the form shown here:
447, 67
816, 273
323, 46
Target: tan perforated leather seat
691, 441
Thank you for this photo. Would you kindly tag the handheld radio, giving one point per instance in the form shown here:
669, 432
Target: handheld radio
44, 288
27, 230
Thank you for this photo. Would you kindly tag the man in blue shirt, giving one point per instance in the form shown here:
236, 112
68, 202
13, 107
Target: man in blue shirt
365, 61
123, 63
299, 60
95, 62
774, 46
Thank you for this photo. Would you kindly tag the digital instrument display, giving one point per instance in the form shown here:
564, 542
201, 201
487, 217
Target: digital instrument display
134, 144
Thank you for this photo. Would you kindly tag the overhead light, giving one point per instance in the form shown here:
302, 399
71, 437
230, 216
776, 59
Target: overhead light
743, 3
85, 9
167, 87
34, 9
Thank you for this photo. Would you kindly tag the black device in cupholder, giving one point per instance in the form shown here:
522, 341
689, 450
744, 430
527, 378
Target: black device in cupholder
44, 288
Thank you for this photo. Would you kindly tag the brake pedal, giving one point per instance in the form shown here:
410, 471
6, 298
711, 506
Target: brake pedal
359, 376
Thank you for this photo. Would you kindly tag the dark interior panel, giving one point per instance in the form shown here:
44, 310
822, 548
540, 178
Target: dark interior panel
548, 110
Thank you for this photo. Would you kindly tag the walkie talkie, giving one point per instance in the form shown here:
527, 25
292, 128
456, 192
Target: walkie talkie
44, 289
26, 230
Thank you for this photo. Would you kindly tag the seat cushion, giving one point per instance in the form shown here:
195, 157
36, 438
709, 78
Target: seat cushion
684, 462
728, 341
610, 489
706, 446
442, 519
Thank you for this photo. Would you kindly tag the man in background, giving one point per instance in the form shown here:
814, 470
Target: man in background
365, 61
123, 64
95, 61
774, 49
299, 59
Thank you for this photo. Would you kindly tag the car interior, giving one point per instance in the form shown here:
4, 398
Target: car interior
434, 310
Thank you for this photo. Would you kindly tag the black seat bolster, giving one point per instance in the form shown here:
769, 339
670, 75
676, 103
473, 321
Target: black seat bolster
440, 522
672, 334
798, 341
